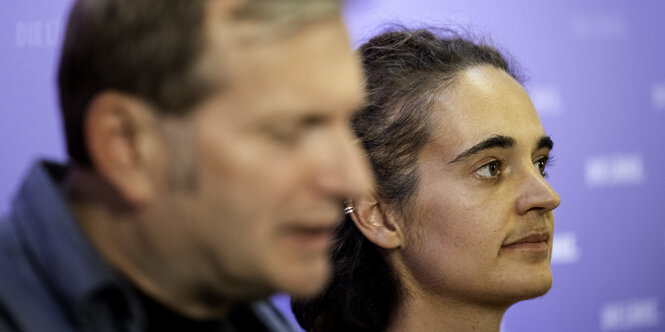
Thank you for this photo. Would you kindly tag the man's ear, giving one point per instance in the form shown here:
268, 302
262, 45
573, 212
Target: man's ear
122, 139
377, 223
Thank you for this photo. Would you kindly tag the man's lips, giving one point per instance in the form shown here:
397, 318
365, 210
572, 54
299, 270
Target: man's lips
315, 224
531, 241
313, 232
312, 237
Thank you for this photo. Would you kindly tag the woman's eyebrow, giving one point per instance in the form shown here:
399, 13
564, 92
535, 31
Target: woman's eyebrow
545, 142
496, 141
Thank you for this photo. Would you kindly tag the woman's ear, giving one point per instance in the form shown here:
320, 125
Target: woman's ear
376, 222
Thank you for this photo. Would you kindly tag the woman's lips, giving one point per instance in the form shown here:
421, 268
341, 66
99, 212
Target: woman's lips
537, 241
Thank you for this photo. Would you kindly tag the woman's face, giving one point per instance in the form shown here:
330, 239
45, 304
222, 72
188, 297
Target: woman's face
479, 227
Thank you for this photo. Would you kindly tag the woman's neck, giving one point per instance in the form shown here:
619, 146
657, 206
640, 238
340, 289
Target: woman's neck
428, 312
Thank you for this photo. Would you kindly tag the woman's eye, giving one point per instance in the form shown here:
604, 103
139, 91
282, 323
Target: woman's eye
490, 170
540, 165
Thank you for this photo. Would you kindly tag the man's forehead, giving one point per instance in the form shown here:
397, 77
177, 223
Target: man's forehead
240, 37
257, 20
313, 57
222, 9
308, 70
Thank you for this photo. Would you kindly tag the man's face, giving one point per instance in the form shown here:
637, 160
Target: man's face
271, 159
480, 226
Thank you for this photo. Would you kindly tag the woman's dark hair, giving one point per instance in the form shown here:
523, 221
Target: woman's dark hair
406, 71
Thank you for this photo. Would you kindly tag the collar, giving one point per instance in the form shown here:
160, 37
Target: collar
72, 268
76, 272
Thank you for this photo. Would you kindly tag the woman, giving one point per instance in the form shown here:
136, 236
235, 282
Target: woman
460, 225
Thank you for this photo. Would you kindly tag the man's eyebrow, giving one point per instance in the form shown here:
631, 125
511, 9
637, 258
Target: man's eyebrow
496, 141
545, 142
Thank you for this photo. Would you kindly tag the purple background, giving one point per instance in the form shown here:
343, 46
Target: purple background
597, 77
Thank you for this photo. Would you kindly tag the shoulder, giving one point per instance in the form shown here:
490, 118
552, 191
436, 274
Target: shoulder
14, 261
25, 302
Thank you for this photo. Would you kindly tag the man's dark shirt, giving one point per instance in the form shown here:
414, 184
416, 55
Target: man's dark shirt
52, 278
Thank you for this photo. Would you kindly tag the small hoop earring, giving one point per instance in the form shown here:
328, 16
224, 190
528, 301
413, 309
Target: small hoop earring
348, 209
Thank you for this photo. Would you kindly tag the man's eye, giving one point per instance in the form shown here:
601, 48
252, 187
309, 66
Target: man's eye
490, 170
285, 136
292, 133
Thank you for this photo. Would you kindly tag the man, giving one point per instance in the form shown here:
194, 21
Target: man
210, 152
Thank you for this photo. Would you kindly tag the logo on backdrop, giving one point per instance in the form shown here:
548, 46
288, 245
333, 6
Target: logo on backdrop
546, 99
604, 26
37, 34
629, 314
614, 170
565, 249
658, 95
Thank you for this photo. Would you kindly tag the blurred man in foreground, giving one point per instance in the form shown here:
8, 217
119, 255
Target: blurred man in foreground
209, 153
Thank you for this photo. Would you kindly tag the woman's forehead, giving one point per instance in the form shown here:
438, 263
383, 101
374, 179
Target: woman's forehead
484, 102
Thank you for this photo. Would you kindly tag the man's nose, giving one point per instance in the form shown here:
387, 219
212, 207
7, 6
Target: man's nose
348, 173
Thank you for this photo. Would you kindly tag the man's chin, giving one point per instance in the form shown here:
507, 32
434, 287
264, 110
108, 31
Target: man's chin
306, 282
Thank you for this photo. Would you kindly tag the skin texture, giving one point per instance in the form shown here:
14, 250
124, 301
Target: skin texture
238, 199
453, 259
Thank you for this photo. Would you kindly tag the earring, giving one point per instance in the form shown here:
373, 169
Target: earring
348, 209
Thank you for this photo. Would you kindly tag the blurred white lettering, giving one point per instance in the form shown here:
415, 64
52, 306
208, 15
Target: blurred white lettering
565, 249
603, 171
629, 314
547, 100
658, 95
36, 34
599, 27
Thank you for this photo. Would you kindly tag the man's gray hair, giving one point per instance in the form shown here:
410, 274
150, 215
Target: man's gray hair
151, 49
